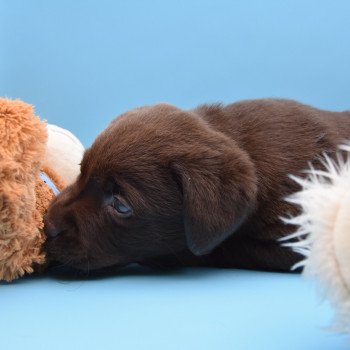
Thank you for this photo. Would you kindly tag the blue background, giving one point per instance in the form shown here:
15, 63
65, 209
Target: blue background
83, 62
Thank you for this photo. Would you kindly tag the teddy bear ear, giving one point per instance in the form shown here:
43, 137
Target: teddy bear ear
219, 190
64, 153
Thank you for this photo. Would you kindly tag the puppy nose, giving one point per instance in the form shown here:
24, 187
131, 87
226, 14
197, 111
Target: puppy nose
50, 229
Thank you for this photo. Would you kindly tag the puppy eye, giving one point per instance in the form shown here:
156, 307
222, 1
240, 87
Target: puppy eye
121, 207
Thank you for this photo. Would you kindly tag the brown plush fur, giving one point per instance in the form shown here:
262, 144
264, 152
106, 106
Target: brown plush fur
205, 187
24, 197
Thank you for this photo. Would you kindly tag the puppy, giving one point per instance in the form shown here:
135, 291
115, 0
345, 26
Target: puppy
206, 187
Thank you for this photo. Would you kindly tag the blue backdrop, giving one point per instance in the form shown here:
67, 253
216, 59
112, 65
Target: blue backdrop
83, 62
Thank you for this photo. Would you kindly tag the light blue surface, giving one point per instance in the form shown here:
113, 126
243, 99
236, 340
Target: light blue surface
188, 309
83, 62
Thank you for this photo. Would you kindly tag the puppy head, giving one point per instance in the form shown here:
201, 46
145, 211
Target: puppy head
157, 181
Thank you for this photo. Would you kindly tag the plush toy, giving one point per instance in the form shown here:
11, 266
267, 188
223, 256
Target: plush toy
323, 235
37, 160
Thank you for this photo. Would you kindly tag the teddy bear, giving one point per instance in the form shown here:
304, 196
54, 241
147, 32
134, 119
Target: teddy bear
323, 232
37, 160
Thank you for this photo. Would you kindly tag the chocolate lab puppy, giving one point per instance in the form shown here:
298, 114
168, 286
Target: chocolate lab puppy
205, 187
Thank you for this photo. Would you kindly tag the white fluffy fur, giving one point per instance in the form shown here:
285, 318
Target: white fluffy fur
324, 232
64, 153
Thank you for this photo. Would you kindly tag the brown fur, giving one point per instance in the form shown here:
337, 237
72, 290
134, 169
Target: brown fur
207, 187
23, 195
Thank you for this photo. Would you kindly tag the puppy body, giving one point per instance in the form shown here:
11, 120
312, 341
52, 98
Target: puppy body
204, 187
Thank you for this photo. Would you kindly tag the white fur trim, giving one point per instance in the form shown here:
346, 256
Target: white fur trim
324, 233
63, 153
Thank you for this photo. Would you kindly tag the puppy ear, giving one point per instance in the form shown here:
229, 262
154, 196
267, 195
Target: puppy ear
219, 187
